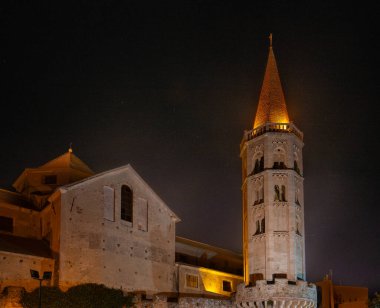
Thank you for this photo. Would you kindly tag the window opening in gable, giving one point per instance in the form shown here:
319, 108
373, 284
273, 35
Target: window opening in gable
126, 203
50, 179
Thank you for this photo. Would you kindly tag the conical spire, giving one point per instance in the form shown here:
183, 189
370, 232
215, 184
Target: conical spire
272, 106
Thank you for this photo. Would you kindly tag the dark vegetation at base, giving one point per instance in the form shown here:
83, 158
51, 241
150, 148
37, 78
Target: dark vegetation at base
89, 295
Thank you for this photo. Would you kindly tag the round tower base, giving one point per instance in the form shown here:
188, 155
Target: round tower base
278, 293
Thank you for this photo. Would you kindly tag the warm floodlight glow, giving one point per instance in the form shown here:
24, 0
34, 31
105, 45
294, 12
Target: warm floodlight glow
272, 105
213, 280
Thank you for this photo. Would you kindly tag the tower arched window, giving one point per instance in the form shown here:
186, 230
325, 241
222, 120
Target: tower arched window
296, 168
257, 227
260, 226
263, 225
126, 203
277, 196
257, 197
297, 193
283, 193
258, 162
298, 225
262, 163
257, 167
296, 165
279, 158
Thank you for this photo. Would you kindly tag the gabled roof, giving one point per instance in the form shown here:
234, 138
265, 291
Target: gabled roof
67, 160
272, 105
125, 168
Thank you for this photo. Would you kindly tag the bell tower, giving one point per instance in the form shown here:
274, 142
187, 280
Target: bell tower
273, 203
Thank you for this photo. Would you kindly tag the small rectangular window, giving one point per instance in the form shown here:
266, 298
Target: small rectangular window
49, 179
6, 224
192, 281
227, 286
109, 203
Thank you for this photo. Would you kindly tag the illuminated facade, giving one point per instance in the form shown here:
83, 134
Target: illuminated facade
109, 228
112, 228
273, 203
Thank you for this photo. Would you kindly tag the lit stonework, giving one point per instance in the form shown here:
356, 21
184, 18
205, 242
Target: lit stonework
273, 205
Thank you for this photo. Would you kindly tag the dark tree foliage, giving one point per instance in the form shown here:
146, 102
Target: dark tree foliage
89, 295
375, 302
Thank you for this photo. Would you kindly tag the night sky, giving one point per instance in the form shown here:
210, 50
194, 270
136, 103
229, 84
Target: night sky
170, 87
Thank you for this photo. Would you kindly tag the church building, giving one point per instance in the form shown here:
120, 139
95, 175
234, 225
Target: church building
111, 228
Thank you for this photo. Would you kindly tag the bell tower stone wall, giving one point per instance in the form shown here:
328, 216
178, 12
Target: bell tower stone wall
273, 199
273, 205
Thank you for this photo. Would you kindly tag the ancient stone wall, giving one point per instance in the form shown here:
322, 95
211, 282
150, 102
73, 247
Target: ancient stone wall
278, 293
112, 251
15, 270
273, 206
26, 222
196, 302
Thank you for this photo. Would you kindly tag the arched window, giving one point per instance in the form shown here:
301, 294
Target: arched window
297, 193
296, 167
126, 203
298, 225
257, 167
283, 195
258, 162
279, 158
257, 227
262, 163
263, 225
277, 193
261, 193
257, 199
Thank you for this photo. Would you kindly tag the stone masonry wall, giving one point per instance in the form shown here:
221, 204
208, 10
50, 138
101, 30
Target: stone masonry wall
196, 302
280, 292
26, 222
115, 252
15, 270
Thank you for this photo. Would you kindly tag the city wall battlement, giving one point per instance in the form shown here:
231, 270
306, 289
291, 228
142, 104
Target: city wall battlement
277, 293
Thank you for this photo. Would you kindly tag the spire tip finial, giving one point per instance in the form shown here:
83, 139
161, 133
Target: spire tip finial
270, 39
